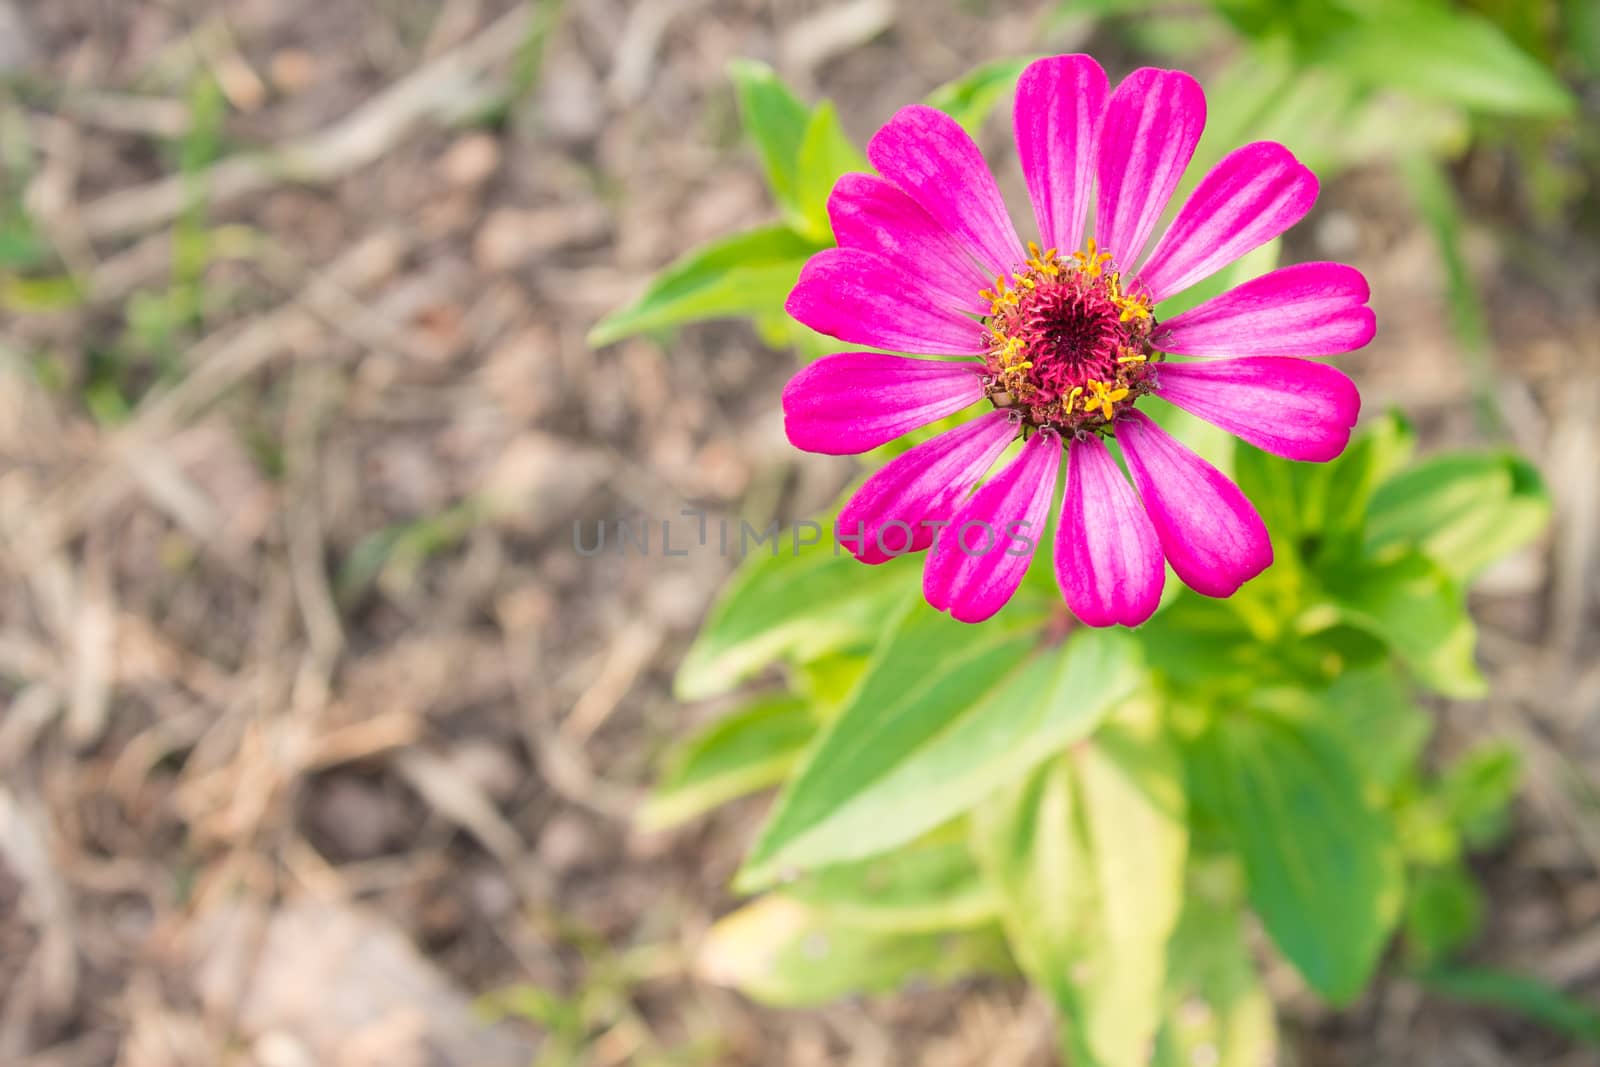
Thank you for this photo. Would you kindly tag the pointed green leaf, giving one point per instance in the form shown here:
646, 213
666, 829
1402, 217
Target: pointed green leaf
1419, 610
1321, 862
747, 274
930, 885
1218, 1010
1464, 509
972, 97
946, 714
1444, 911
1088, 855
744, 751
776, 120
1448, 55
799, 603
782, 951
825, 154
1521, 994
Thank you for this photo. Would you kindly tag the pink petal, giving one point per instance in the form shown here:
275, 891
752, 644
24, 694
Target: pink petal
978, 561
1108, 558
1152, 125
1252, 195
856, 401
927, 154
1290, 407
875, 216
860, 298
1209, 532
1060, 104
1310, 309
888, 515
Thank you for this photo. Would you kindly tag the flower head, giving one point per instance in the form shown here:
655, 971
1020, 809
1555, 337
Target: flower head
1062, 337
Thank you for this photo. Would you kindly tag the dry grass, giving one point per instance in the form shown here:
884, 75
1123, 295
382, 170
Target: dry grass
312, 725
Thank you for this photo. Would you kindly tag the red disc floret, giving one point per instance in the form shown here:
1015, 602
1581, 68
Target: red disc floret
1069, 348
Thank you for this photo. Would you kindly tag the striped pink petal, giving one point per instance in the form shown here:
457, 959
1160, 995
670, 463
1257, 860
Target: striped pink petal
855, 401
864, 300
891, 513
1255, 193
1209, 532
1108, 558
927, 154
1061, 102
874, 216
1290, 407
1151, 128
1309, 309
978, 561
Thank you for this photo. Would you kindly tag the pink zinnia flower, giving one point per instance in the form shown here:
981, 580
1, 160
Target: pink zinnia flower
1064, 340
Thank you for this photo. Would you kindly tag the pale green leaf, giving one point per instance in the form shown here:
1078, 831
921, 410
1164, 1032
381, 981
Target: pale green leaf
930, 885
825, 154
749, 274
746, 750
776, 120
1465, 509
1412, 604
800, 604
971, 98
782, 951
1088, 855
1450, 55
1218, 1011
946, 714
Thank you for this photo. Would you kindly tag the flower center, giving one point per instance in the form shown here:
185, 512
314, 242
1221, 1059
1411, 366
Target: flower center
1068, 348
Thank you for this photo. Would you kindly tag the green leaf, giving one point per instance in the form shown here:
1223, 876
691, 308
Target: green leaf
930, 885
781, 951
945, 715
747, 274
1381, 728
1218, 1010
1321, 863
776, 119
1088, 855
972, 97
1317, 510
1521, 994
1444, 910
825, 154
1418, 609
796, 604
1464, 509
742, 752
1476, 792
1448, 55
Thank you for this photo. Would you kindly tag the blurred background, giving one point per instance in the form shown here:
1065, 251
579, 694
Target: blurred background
319, 742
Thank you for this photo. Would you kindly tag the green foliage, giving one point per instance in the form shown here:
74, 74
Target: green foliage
944, 716
942, 786
782, 951
1525, 996
1107, 810
798, 604
742, 752
1088, 855
1465, 510
972, 98
1321, 862
803, 151
747, 274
